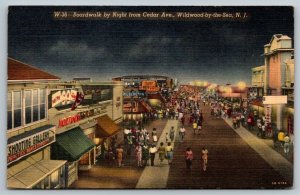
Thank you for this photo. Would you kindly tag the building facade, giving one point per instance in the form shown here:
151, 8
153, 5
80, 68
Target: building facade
29, 132
276, 78
80, 131
51, 135
144, 93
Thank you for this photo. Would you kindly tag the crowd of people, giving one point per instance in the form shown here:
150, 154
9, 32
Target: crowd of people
249, 119
184, 105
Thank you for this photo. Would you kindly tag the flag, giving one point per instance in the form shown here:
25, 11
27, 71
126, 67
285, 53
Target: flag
78, 100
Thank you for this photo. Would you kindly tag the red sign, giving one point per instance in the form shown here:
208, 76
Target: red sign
63, 97
69, 120
268, 114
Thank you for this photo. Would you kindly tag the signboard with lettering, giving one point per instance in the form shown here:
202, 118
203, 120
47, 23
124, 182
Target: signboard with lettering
149, 86
63, 97
127, 107
69, 120
134, 93
280, 99
30, 144
268, 114
148, 83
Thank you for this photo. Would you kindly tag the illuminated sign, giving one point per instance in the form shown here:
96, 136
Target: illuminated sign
63, 97
30, 144
268, 114
149, 86
69, 120
127, 107
275, 99
148, 83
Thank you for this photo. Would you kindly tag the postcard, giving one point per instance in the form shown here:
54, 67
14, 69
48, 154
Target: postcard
150, 97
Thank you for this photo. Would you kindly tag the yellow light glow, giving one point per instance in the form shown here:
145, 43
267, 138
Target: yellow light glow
241, 85
228, 89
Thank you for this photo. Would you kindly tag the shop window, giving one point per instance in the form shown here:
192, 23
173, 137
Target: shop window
42, 104
17, 109
35, 104
34, 107
9, 110
28, 104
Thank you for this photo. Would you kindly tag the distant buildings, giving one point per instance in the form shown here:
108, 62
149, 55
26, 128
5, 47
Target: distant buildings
144, 92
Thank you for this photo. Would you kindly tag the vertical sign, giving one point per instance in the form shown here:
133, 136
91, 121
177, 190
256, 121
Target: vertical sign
268, 113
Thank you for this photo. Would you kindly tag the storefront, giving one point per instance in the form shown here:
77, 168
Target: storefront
258, 107
140, 109
87, 160
44, 174
106, 128
75, 147
29, 164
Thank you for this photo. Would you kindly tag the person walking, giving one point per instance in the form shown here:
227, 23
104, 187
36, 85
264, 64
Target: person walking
259, 126
181, 133
234, 121
154, 135
275, 138
249, 122
169, 150
161, 152
189, 157
263, 131
199, 123
286, 146
129, 143
145, 155
119, 152
152, 151
204, 158
172, 133
195, 126
138, 155
281, 137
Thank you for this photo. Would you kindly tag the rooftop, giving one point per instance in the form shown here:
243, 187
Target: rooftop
19, 71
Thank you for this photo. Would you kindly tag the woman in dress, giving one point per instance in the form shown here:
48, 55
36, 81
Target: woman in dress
161, 152
204, 158
119, 151
138, 155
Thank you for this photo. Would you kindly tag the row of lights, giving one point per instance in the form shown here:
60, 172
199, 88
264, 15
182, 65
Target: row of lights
241, 85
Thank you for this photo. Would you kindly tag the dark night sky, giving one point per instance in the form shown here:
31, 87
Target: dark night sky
216, 51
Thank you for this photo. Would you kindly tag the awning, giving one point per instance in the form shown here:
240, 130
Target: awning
71, 145
107, 127
30, 176
257, 103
